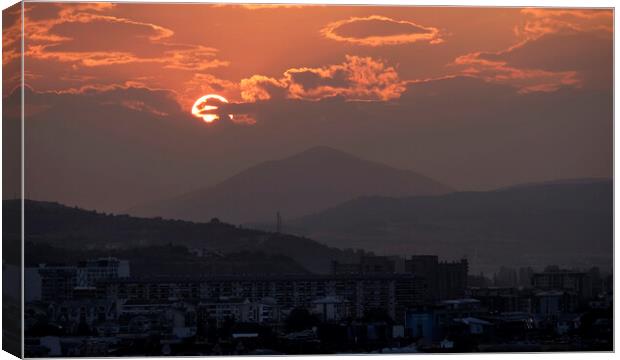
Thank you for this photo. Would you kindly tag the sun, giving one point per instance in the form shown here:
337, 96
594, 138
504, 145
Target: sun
204, 107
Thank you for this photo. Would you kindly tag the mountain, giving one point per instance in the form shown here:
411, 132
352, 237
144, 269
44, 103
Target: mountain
298, 185
75, 230
568, 222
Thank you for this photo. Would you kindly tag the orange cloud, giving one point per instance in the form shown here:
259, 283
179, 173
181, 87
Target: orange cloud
552, 51
259, 87
358, 78
11, 34
45, 41
377, 30
11, 49
268, 6
549, 21
201, 84
526, 80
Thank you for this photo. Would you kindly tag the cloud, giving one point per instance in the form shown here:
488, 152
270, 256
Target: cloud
558, 48
201, 84
131, 95
11, 48
377, 30
259, 87
540, 22
73, 35
270, 6
358, 78
11, 34
526, 80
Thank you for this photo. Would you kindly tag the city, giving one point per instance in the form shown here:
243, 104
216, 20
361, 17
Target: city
378, 305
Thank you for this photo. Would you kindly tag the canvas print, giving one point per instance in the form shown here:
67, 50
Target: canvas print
248, 179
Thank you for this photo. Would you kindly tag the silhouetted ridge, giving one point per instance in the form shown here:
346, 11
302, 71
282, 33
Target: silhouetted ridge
304, 183
532, 224
76, 230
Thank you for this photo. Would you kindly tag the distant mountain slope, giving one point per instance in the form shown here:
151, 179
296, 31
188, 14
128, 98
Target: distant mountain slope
81, 230
299, 185
537, 224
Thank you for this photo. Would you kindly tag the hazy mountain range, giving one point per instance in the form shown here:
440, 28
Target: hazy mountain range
567, 222
308, 182
331, 200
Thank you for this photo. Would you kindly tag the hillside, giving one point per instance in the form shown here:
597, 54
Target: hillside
76, 229
536, 224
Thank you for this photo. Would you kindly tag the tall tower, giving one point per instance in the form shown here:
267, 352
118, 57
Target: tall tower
278, 222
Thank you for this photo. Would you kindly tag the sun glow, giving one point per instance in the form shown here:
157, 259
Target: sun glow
204, 107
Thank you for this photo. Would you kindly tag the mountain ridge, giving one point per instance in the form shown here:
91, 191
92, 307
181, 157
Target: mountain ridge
530, 224
297, 185
77, 229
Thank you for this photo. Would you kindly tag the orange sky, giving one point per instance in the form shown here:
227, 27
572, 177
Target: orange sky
239, 51
476, 98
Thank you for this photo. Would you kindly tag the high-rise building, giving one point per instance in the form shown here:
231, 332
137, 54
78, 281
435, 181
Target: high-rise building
445, 280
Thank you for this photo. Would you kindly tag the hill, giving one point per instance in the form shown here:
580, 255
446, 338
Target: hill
569, 222
78, 230
295, 186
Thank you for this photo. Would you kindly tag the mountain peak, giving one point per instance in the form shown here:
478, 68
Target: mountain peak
322, 151
310, 181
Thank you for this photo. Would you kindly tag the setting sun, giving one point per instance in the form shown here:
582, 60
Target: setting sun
205, 109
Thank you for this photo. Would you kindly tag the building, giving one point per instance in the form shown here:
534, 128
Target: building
91, 271
554, 302
579, 283
57, 282
429, 322
391, 292
331, 308
369, 264
72, 314
445, 280
240, 310
502, 299
173, 320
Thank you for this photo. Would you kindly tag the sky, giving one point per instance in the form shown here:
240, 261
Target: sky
476, 98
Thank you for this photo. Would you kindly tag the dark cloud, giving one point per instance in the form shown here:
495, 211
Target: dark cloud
559, 48
589, 54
